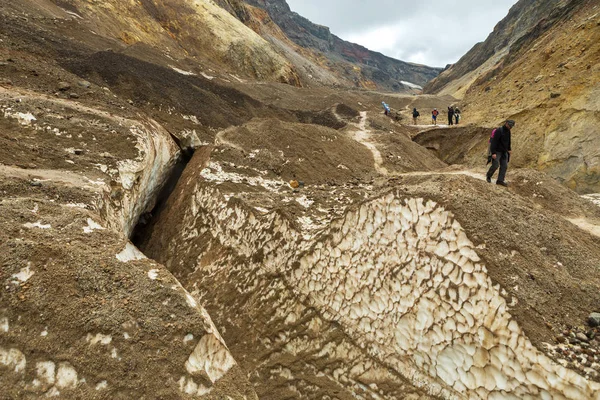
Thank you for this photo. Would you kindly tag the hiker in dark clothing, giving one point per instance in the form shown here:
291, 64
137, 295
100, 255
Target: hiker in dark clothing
500, 150
456, 115
415, 116
450, 115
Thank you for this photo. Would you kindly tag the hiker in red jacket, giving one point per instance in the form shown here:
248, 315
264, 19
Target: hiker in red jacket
500, 149
434, 115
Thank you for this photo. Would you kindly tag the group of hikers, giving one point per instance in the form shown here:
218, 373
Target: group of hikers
499, 148
453, 115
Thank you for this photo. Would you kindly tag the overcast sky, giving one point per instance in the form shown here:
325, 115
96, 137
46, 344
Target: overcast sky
434, 32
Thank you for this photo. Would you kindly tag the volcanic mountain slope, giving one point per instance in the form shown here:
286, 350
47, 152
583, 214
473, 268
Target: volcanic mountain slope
521, 19
182, 33
323, 57
308, 249
546, 78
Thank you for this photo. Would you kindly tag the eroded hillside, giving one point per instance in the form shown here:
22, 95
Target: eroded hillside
546, 78
168, 231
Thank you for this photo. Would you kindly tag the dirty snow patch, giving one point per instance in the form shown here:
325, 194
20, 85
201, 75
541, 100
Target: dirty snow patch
73, 14
13, 358
210, 78
190, 300
210, 357
586, 225
25, 118
131, 253
188, 338
92, 226
182, 72
37, 225
153, 274
66, 377
45, 371
594, 198
304, 201
101, 385
98, 338
411, 85
192, 118
76, 205
4, 325
215, 173
23, 275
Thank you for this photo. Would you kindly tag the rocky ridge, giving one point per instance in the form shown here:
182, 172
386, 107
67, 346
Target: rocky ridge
322, 57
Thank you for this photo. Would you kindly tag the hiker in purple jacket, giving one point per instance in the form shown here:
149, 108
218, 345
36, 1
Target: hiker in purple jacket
500, 150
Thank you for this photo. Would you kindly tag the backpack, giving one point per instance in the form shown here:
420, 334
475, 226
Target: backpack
435, 113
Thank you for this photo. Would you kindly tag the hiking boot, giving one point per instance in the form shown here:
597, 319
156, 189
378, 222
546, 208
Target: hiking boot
502, 184
488, 179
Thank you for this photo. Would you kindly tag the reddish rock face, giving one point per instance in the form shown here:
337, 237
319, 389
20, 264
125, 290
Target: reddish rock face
349, 64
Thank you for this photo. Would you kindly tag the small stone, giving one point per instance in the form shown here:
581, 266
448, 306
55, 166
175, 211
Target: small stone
35, 183
574, 340
594, 319
74, 95
554, 95
78, 152
590, 334
84, 84
63, 86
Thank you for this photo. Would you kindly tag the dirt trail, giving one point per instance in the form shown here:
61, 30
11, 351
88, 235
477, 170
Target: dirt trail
363, 136
221, 140
67, 178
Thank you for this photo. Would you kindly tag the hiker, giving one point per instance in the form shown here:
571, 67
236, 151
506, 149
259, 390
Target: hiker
450, 115
386, 108
415, 116
500, 151
456, 115
434, 115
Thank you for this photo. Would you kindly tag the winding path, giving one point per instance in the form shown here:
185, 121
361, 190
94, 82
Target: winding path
363, 136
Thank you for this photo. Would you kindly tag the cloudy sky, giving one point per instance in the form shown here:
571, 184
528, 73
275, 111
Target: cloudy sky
433, 32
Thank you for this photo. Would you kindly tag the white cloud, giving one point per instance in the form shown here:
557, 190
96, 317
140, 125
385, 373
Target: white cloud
434, 33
